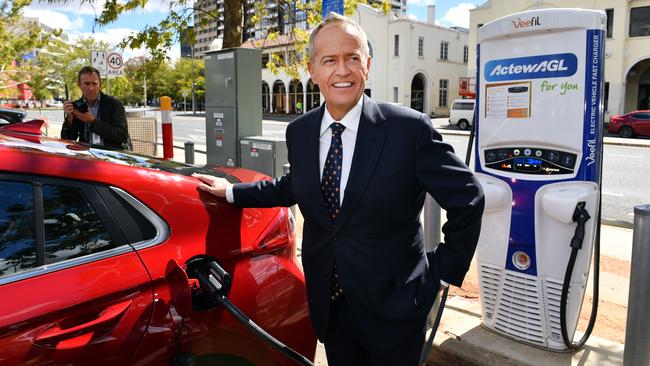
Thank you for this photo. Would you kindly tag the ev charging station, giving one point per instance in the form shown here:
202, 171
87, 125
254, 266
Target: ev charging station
538, 158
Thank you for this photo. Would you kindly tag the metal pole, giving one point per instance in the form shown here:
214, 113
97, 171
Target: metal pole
145, 90
193, 93
637, 334
431, 224
189, 152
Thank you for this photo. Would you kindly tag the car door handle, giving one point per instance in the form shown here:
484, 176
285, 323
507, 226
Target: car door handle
104, 320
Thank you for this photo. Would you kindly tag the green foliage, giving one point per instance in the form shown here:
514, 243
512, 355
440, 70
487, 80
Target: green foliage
18, 37
162, 79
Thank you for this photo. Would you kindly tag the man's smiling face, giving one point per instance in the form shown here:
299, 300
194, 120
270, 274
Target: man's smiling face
340, 67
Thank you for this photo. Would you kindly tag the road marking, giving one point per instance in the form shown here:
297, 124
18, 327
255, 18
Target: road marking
625, 156
613, 194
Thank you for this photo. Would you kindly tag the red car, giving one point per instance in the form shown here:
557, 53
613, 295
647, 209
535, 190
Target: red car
630, 124
93, 252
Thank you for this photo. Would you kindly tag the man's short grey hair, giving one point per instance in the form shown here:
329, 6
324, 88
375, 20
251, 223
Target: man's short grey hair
338, 20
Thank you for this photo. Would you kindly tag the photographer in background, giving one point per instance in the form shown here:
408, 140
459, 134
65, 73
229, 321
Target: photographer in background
96, 118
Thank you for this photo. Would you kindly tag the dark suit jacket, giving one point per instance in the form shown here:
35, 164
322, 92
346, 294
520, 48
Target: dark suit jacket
110, 124
377, 240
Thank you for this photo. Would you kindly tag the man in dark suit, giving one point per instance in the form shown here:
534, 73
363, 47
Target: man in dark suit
95, 118
359, 173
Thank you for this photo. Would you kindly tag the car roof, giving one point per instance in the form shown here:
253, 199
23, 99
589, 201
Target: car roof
14, 115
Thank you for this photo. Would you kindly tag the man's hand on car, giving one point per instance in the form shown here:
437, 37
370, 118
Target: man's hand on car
213, 185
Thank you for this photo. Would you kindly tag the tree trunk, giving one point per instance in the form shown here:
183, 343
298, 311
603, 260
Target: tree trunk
233, 19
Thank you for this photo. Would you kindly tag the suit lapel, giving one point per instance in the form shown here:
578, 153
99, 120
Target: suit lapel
370, 140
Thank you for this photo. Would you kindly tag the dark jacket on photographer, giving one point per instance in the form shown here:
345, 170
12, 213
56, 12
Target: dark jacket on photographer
110, 125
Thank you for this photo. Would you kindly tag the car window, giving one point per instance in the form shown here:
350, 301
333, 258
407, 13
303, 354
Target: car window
463, 106
17, 239
72, 227
642, 115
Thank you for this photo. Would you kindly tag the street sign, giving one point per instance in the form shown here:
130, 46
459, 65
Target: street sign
98, 60
332, 6
115, 64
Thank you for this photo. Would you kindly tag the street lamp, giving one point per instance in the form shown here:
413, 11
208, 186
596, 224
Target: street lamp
193, 95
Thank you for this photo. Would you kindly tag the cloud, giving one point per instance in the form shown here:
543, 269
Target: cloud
421, 2
111, 36
72, 6
95, 8
458, 15
160, 6
55, 19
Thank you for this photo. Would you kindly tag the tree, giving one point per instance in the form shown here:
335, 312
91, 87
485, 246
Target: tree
159, 38
18, 38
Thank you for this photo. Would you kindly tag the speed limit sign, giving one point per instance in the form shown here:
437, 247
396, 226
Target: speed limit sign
115, 64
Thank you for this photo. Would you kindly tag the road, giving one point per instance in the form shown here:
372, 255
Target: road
626, 169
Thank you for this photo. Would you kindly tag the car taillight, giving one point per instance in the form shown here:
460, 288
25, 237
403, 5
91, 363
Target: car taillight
278, 234
615, 120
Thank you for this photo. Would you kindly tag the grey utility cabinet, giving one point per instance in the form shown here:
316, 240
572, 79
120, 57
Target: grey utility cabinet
233, 98
264, 154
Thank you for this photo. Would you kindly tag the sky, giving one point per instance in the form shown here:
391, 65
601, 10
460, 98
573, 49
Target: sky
77, 20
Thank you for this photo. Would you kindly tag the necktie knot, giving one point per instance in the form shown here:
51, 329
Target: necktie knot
337, 128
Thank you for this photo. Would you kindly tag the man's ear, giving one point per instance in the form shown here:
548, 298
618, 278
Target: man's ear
368, 64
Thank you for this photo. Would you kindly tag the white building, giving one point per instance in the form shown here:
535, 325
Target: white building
417, 64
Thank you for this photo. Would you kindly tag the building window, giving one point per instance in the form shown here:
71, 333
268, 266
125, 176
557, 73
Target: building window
442, 98
610, 22
444, 50
421, 46
265, 60
395, 94
396, 45
465, 53
640, 22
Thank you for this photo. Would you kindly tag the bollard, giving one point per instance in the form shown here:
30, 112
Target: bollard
189, 152
637, 333
166, 119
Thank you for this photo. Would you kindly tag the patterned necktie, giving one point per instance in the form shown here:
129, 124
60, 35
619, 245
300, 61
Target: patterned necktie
331, 181
330, 187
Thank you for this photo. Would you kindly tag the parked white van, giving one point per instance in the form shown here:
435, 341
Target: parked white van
461, 113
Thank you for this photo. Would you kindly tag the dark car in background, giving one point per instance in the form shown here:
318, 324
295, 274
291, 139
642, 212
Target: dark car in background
95, 248
8, 116
631, 124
